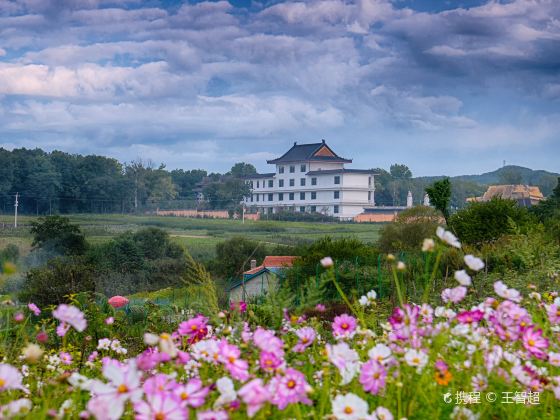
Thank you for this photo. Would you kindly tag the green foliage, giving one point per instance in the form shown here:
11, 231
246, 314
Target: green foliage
400, 171
510, 176
234, 256
440, 196
295, 216
487, 221
57, 234
408, 230
53, 283
242, 169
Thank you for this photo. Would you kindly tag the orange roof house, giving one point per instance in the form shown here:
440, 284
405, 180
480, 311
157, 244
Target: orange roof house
524, 195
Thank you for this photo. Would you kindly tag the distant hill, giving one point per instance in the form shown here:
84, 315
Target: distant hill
510, 174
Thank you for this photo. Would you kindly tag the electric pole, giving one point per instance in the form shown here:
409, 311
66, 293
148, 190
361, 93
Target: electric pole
15, 210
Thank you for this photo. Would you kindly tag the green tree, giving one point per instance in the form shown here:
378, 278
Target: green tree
440, 196
510, 176
400, 171
56, 233
234, 256
487, 221
242, 169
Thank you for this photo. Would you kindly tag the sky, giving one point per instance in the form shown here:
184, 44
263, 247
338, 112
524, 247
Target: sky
446, 87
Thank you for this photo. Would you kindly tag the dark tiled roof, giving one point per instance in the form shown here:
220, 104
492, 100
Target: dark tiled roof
341, 171
303, 152
256, 176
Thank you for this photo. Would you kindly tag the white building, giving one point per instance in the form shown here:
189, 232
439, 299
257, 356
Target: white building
312, 178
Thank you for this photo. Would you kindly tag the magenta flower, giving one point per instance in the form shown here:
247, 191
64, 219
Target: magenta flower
306, 337
255, 395
372, 376
160, 406
68, 314
455, 295
192, 393
269, 362
19, 316
229, 354
292, 388
65, 358
240, 306
34, 308
195, 328
344, 326
534, 342
468, 317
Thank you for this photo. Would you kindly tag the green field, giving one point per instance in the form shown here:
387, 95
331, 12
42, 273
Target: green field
199, 236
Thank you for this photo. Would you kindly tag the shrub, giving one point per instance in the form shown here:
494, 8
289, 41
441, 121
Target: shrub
409, 229
233, 256
61, 277
487, 221
57, 234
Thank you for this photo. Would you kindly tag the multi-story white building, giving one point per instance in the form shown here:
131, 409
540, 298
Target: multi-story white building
312, 178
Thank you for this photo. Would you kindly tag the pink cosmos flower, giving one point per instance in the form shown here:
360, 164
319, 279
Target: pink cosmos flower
34, 308
65, 358
269, 362
553, 312
118, 301
255, 395
229, 356
62, 329
455, 295
196, 328
306, 337
372, 376
535, 343
193, 393
344, 326
468, 317
110, 320
160, 382
266, 340
10, 377
240, 306
19, 316
68, 314
320, 307
292, 388
42, 337
212, 415
160, 406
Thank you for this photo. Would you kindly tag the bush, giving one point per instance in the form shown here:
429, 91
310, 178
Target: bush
485, 222
409, 229
57, 234
233, 256
61, 277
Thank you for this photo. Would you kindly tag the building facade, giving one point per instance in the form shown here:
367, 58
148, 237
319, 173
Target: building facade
312, 178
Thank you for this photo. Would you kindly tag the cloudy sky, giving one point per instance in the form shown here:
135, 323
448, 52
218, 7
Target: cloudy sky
444, 86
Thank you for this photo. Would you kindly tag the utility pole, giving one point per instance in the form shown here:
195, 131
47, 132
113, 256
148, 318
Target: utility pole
243, 213
15, 210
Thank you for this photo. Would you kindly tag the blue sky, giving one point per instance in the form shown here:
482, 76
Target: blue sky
447, 87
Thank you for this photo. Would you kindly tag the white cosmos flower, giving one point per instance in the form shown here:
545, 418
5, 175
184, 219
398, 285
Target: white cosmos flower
463, 413
349, 407
447, 237
416, 358
463, 278
364, 301
149, 339
227, 392
327, 262
474, 263
380, 352
381, 413
345, 359
428, 245
503, 291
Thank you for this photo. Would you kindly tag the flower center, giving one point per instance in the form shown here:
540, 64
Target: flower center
2, 382
231, 359
305, 340
184, 395
344, 326
164, 336
122, 389
291, 384
348, 410
416, 360
194, 327
531, 342
376, 375
159, 416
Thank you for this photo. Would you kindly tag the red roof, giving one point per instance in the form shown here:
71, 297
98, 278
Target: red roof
273, 261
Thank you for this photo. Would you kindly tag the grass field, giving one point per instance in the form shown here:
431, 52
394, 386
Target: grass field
199, 236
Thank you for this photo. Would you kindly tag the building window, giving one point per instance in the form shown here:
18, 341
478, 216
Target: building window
257, 197
270, 183
292, 182
302, 168
258, 184
291, 196
280, 196
302, 209
270, 197
369, 196
280, 169
313, 181
252, 198
280, 183
337, 194
302, 182
337, 179
251, 183
270, 210
313, 209
292, 169
302, 196
313, 195
335, 209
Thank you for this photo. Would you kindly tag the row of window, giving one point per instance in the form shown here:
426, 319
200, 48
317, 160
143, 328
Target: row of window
292, 169
292, 182
312, 209
290, 196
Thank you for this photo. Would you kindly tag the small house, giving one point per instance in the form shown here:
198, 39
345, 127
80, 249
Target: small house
259, 279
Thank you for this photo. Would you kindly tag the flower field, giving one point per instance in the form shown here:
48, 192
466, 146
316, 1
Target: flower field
496, 357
